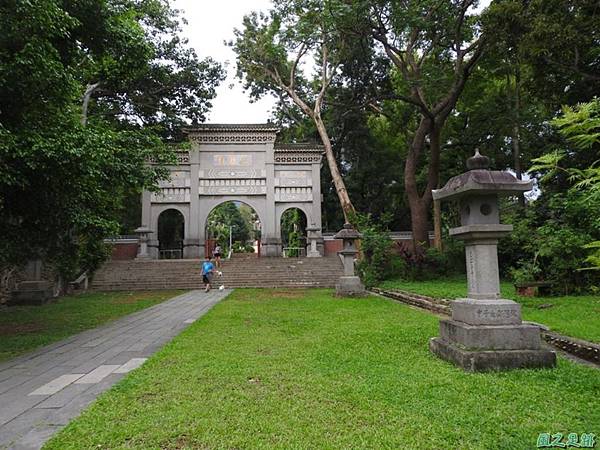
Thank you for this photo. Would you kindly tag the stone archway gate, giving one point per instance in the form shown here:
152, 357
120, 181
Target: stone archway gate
240, 163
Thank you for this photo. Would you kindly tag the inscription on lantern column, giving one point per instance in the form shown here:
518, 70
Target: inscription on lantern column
471, 269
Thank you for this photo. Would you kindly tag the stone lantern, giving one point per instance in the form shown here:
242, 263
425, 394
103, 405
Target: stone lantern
486, 332
313, 235
143, 233
349, 284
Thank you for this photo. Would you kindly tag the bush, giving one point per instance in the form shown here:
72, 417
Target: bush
378, 261
431, 263
549, 243
381, 261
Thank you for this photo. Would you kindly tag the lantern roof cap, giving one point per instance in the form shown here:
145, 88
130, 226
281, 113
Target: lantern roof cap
348, 232
479, 180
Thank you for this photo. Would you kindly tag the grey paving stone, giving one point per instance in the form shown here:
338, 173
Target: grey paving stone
9, 411
16, 380
123, 357
11, 372
130, 365
64, 415
99, 360
96, 375
35, 438
57, 384
62, 397
16, 428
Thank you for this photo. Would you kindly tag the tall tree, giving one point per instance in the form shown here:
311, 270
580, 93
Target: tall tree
273, 51
434, 46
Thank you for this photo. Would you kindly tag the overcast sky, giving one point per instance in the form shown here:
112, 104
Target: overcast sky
210, 23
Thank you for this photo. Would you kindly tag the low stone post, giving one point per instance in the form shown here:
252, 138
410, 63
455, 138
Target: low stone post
143, 233
486, 332
313, 236
349, 284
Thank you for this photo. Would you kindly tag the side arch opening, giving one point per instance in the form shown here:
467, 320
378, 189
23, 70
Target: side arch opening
171, 230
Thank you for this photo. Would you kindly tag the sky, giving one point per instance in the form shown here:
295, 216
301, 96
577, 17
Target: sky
210, 23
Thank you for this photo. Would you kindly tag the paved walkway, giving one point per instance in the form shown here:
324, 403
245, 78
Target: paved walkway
42, 391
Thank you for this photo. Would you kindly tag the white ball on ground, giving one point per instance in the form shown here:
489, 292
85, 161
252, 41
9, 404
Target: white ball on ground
221, 287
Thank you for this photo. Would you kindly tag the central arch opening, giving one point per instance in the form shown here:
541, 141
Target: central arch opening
293, 232
233, 227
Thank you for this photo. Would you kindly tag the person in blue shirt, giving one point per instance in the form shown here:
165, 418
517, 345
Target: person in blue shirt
208, 269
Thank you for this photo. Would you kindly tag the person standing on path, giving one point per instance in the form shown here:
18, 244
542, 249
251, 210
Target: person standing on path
208, 269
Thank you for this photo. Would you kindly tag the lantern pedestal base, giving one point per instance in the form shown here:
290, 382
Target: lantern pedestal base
486, 335
491, 360
350, 286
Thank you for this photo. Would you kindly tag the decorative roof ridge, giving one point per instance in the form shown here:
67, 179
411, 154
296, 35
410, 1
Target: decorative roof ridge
203, 127
299, 147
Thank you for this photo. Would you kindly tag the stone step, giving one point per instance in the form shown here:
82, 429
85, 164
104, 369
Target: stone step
121, 287
237, 272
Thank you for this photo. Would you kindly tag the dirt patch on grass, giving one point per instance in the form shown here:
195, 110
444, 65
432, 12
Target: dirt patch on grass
10, 329
181, 442
285, 293
270, 294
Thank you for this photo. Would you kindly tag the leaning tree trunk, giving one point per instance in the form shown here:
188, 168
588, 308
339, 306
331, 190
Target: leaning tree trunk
338, 181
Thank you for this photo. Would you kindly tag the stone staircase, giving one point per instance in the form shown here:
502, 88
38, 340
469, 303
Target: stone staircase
240, 271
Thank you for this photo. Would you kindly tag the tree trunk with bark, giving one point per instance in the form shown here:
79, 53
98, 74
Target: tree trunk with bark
516, 131
86, 101
338, 181
420, 203
437, 225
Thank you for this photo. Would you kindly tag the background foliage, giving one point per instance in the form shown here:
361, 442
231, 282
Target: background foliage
89, 92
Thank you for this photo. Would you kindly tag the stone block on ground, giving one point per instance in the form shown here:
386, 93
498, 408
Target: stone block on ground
492, 360
486, 312
31, 293
491, 337
350, 287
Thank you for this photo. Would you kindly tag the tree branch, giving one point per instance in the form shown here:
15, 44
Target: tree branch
86, 101
301, 53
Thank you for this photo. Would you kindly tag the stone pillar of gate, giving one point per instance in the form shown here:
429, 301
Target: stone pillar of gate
316, 206
151, 242
270, 239
193, 244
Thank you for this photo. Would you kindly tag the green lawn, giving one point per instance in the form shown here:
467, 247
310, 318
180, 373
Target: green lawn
303, 370
577, 316
25, 328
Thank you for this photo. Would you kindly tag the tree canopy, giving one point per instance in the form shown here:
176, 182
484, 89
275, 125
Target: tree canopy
89, 92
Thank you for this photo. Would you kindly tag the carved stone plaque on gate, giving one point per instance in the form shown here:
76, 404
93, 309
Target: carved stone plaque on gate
233, 187
290, 178
171, 195
178, 178
233, 173
291, 194
232, 160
